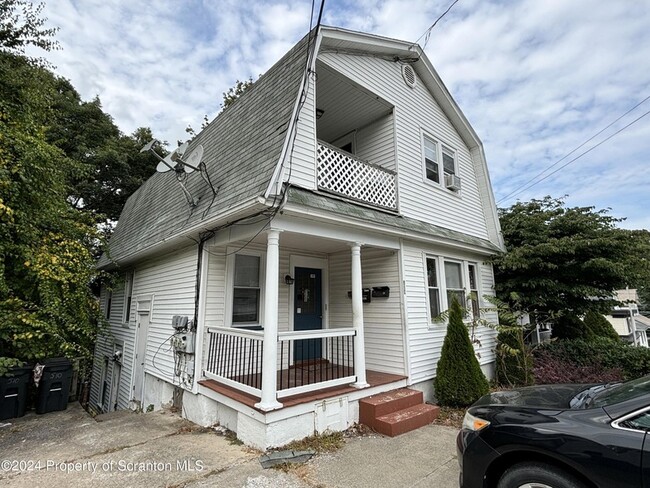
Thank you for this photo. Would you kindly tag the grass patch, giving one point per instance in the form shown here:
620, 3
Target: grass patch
451, 417
232, 438
319, 443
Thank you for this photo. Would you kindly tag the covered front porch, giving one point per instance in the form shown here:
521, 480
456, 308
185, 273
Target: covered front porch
329, 316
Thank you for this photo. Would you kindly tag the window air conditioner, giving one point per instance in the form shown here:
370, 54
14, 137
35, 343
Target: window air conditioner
452, 182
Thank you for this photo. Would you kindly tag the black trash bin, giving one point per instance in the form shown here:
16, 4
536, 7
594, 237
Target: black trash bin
13, 392
54, 387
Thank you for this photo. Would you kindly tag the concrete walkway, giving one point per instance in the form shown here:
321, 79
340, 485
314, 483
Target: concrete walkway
70, 448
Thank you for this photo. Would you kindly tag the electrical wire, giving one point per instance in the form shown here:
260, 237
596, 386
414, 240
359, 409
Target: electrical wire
513, 192
582, 154
427, 33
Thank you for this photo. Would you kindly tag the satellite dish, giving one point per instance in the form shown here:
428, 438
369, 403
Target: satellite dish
166, 164
180, 150
148, 146
193, 160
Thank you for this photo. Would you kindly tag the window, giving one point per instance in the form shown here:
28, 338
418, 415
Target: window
473, 289
449, 279
128, 296
246, 290
431, 160
434, 290
109, 303
104, 385
448, 160
454, 283
434, 153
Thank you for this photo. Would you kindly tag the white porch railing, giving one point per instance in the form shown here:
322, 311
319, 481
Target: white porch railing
345, 175
235, 359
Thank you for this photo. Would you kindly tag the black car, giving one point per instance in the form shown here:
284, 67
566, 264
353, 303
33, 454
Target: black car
558, 436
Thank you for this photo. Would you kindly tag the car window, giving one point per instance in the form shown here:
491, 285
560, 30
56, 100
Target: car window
622, 392
642, 422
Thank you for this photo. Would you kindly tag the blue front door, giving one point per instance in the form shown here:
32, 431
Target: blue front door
307, 311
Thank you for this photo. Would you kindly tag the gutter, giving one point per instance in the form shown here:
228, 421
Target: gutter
375, 227
176, 239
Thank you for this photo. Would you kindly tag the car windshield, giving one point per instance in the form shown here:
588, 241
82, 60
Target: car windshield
621, 392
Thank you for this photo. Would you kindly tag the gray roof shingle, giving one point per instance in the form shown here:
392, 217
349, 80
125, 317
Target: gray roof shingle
242, 148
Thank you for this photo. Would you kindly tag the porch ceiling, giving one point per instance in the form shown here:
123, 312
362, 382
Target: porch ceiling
293, 240
347, 105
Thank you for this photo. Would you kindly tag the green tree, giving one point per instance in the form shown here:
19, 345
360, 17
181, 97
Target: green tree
562, 261
459, 380
569, 326
235, 91
599, 326
21, 25
46, 264
114, 165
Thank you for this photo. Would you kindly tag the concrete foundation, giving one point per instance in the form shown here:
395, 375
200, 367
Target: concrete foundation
157, 393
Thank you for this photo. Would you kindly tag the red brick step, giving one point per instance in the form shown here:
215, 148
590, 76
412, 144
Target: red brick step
396, 412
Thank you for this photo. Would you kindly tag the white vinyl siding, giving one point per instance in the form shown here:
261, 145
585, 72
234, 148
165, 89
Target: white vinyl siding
382, 317
374, 143
171, 279
105, 346
424, 338
416, 111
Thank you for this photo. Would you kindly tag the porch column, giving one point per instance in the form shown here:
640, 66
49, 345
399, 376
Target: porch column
270, 353
357, 318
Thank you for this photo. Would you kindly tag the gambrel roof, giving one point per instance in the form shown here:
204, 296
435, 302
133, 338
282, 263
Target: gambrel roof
242, 148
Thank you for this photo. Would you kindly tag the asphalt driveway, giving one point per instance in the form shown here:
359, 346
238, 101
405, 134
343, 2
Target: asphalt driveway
126, 449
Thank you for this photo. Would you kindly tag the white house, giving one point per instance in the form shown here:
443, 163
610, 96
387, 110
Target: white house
628, 323
352, 201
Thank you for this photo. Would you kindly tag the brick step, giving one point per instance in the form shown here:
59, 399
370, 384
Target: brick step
406, 420
377, 405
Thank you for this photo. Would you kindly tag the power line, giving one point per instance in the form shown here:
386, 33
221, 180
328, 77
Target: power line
516, 190
427, 33
582, 154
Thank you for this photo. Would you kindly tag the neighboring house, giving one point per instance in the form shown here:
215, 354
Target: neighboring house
353, 202
626, 319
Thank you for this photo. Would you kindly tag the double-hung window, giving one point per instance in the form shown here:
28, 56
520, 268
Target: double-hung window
448, 160
454, 283
439, 161
128, 296
473, 289
448, 280
431, 166
434, 289
246, 290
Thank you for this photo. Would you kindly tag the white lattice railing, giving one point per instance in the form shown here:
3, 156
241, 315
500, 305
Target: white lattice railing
347, 176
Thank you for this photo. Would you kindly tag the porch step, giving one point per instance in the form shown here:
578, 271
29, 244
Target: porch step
396, 412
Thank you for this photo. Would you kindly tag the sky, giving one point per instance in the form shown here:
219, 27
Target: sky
536, 79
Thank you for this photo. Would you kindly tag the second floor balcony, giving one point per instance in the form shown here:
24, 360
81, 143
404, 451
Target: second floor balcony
343, 174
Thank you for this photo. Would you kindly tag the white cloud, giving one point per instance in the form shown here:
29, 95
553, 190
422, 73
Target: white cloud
534, 78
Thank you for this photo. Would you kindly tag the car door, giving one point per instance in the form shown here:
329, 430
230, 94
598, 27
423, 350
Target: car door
638, 424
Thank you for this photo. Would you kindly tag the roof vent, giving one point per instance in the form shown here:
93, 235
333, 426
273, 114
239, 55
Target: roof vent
408, 73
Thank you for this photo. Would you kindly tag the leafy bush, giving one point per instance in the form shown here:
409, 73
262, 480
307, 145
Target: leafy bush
599, 326
570, 327
608, 354
459, 380
550, 369
514, 361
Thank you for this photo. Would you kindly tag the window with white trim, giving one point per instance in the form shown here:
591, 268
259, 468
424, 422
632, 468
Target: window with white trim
109, 304
246, 290
447, 279
431, 167
473, 289
454, 283
434, 289
434, 153
128, 296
